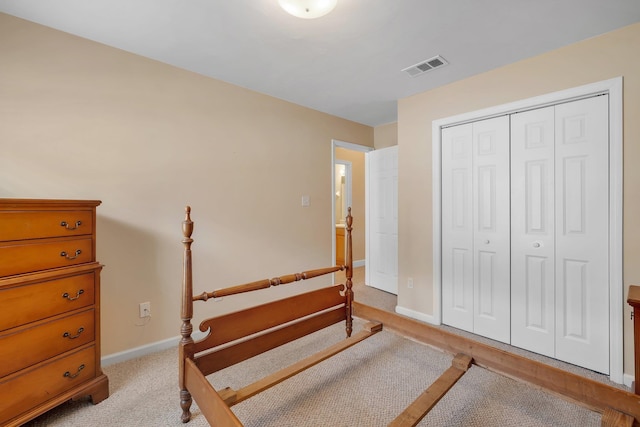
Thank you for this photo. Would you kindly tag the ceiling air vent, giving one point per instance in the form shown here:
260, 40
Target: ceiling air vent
424, 66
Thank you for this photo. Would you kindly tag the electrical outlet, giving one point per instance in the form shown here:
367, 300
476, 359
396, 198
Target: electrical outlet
145, 309
410, 283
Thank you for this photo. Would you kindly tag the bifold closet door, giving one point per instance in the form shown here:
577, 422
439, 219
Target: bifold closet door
533, 231
582, 233
457, 227
559, 202
475, 228
491, 231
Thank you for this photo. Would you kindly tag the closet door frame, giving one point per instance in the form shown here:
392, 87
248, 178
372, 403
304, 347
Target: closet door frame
612, 87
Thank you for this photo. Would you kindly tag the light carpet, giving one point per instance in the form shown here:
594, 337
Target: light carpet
366, 385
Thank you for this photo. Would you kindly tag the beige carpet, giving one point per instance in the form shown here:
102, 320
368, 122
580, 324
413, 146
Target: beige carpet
367, 385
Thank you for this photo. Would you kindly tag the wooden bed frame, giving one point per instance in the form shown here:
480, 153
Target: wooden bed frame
235, 337
238, 336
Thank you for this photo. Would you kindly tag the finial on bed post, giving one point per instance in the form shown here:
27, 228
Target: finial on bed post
349, 273
186, 314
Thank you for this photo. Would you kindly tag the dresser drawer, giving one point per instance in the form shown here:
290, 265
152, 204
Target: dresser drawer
28, 388
30, 255
42, 340
35, 301
21, 225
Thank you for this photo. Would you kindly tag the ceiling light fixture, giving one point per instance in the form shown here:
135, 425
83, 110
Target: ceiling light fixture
308, 9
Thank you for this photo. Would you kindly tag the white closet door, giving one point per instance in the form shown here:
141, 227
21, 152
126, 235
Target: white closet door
525, 230
533, 231
457, 227
491, 254
582, 238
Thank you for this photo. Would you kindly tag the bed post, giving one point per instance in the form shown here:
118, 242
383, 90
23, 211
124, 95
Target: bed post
186, 342
349, 274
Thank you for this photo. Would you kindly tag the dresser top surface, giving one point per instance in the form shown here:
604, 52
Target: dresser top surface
44, 203
634, 296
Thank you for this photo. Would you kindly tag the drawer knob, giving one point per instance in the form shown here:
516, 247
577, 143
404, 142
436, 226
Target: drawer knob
70, 375
66, 225
70, 257
66, 295
68, 335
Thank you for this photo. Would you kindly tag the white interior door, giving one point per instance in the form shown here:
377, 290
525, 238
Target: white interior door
457, 227
582, 233
382, 219
491, 218
533, 231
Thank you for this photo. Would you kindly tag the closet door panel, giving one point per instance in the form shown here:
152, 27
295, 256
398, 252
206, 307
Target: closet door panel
491, 228
457, 231
532, 231
582, 233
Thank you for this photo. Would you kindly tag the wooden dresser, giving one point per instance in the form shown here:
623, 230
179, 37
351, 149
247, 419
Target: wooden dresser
49, 307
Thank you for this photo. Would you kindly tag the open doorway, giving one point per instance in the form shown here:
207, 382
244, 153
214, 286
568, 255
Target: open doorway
349, 158
343, 188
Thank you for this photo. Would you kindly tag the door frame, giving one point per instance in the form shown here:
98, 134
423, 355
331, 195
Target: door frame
335, 143
612, 87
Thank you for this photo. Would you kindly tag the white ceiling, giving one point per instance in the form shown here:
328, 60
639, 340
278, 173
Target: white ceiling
347, 63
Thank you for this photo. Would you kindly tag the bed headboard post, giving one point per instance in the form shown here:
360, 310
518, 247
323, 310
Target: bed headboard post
187, 281
349, 274
186, 313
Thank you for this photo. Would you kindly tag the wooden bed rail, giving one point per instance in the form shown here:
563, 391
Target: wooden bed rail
267, 283
233, 397
618, 406
420, 407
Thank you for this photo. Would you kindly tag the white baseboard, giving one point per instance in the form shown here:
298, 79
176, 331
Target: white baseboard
628, 380
416, 315
359, 263
143, 350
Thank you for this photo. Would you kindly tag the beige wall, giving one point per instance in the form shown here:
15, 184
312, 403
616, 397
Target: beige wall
600, 58
80, 120
357, 199
385, 135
